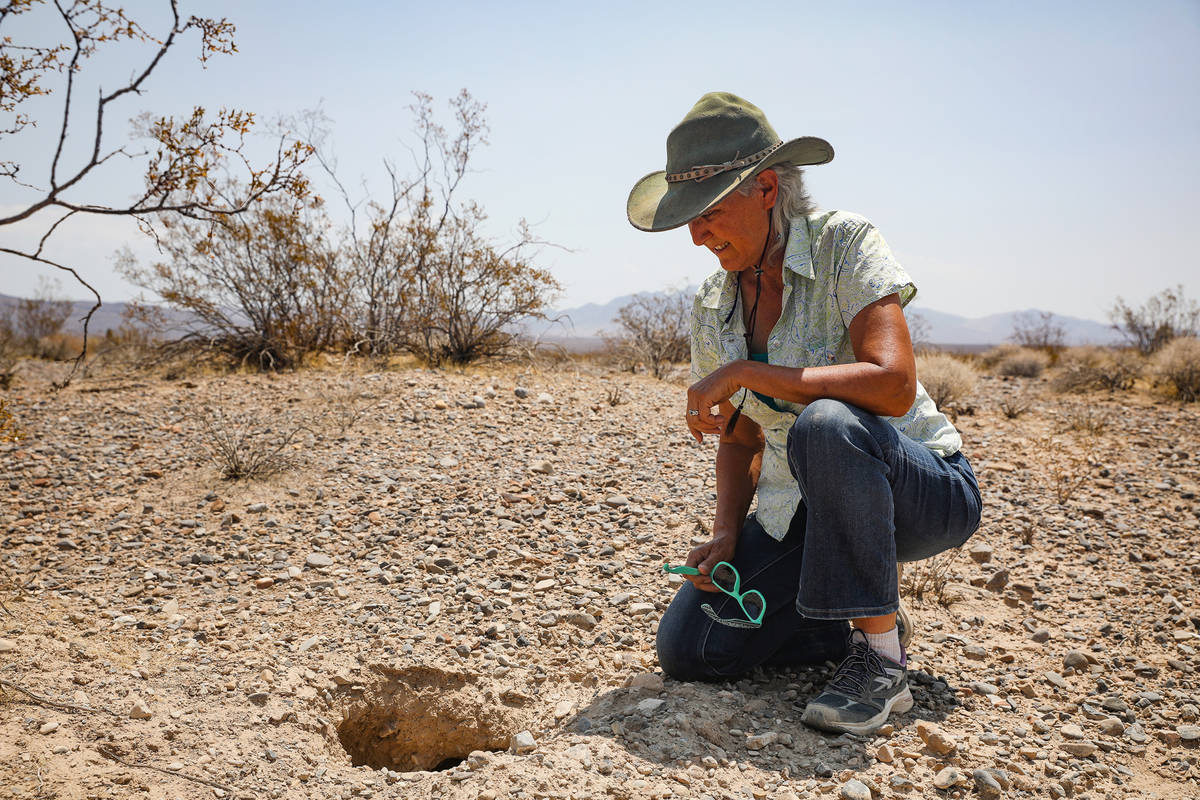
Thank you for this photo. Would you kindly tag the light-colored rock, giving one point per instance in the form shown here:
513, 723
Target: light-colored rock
646, 680
318, 560
949, 776
650, 705
138, 709
855, 789
1083, 749
7, 645
308, 644
49, 727
937, 740
522, 743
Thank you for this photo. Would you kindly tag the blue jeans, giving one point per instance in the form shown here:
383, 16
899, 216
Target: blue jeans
872, 497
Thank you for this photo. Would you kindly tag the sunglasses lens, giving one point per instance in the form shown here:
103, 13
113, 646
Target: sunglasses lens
752, 604
724, 578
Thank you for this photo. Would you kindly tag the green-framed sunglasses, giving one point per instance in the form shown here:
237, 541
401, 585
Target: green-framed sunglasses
726, 578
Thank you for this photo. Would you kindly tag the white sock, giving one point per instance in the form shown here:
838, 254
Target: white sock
886, 644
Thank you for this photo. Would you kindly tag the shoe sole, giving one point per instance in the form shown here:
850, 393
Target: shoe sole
815, 717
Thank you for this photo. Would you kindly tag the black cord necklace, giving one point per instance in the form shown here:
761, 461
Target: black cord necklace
758, 271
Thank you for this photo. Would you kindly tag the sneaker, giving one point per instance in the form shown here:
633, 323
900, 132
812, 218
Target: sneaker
904, 625
864, 690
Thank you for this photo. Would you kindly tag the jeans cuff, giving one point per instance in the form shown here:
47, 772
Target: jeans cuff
847, 613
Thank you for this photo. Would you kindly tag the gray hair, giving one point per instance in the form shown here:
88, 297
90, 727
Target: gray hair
793, 201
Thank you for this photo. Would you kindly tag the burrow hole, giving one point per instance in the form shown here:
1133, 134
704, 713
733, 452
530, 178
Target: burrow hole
422, 719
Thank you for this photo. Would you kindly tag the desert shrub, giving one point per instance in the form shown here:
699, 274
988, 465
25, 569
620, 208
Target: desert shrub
246, 446
1086, 369
1038, 330
988, 361
1023, 363
947, 379
929, 577
653, 331
1014, 405
1166, 316
1086, 419
1066, 468
8, 424
1178, 365
9, 352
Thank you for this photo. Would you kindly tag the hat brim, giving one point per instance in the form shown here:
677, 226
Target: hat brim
656, 205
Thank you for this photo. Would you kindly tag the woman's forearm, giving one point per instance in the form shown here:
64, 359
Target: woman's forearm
872, 387
737, 477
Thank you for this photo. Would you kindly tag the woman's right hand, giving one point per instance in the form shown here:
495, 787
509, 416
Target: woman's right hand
708, 555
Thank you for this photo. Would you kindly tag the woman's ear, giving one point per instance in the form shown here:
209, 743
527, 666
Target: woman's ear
768, 182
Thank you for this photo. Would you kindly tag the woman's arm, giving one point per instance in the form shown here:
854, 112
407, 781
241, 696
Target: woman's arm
883, 380
739, 459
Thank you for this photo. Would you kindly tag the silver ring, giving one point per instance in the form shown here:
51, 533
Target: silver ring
692, 412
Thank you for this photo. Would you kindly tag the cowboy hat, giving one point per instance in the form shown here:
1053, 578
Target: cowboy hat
722, 141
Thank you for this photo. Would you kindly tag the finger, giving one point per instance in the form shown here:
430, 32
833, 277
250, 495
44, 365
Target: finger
702, 583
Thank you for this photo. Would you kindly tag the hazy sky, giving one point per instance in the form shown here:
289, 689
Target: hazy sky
1014, 155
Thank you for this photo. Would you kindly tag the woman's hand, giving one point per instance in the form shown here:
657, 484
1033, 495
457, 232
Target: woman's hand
707, 556
709, 391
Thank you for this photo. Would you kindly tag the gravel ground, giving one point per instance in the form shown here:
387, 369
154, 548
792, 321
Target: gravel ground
452, 588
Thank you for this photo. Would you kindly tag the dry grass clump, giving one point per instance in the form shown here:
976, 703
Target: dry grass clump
1023, 363
246, 447
1178, 365
1016, 404
947, 379
929, 577
1086, 369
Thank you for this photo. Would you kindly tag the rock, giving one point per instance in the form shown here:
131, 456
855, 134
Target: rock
981, 552
758, 741
49, 727
1072, 731
854, 789
1041, 635
308, 644
1083, 749
986, 784
563, 709
998, 581
1111, 726
616, 501
521, 392
545, 398
640, 609
522, 743
937, 740
447, 462
650, 706
975, 652
264, 583
646, 680
257, 508
318, 560
1188, 733
1075, 659
885, 754
947, 777
7, 645
544, 585
542, 467
581, 619
139, 709
581, 753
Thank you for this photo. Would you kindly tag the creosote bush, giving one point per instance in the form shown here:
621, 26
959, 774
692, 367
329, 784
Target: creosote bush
1023, 363
947, 379
653, 331
246, 446
1178, 365
1086, 369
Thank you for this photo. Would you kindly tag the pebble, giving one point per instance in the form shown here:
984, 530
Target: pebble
640, 609
7, 645
521, 392
1188, 733
937, 740
1076, 659
49, 727
308, 644
981, 552
581, 753
522, 743
646, 680
318, 560
947, 777
616, 501
650, 705
139, 710
1083, 749
854, 789
541, 466
563, 709
1112, 726
986, 784
1072, 731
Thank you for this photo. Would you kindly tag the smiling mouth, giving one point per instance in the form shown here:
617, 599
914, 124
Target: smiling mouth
720, 247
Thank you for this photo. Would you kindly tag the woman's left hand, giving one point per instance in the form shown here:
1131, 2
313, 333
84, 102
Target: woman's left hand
711, 390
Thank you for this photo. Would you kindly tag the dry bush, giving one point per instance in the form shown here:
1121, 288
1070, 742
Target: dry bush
245, 446
947, 379
1023, 363
1165, 316
8, 424
653, 330
345, 406
1067, 469
9, 352
929, 577
1178, 365
1014, 405
1037, 330
615, 396
1086, 419
1087, 369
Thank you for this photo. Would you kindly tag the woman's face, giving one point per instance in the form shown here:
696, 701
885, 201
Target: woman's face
734, 230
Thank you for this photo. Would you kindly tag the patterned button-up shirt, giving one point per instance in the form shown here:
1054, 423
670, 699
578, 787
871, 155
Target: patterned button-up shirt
835, 264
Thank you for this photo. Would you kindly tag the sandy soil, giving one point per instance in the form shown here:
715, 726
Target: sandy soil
453, 591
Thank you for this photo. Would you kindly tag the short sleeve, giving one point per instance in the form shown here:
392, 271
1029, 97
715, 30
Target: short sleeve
703, 340
868, 272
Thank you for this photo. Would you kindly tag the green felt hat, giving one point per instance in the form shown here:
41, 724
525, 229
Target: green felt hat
722, 141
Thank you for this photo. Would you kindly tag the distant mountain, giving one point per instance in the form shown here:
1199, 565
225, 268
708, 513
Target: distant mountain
108, 317
590, 320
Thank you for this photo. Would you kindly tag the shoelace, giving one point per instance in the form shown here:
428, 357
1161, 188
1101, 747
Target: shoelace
852, 676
